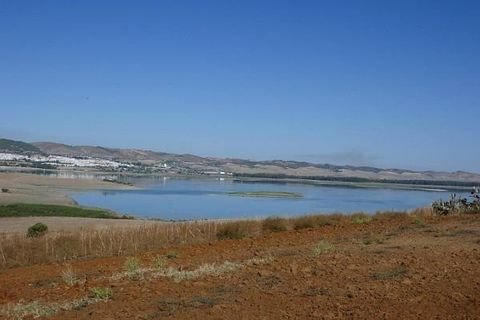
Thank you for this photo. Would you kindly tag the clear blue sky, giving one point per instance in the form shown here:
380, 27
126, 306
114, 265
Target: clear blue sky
384, 83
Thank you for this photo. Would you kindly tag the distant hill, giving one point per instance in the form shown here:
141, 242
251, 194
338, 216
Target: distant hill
19, 147
187, 163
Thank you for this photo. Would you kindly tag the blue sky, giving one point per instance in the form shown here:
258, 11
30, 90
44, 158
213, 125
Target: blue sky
383, 83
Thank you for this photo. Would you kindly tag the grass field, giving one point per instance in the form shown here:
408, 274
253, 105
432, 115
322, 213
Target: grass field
44, 210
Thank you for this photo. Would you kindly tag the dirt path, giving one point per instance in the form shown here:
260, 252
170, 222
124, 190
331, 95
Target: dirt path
387, 269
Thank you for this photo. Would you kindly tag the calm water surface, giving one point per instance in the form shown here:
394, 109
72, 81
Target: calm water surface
207, 199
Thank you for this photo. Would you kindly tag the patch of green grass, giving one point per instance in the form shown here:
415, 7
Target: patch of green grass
322, 247
101, 293
267, 194
46, 210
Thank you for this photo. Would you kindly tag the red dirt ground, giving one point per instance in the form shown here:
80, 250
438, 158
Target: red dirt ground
392, 268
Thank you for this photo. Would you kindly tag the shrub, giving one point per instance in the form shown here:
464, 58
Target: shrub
37, 230
233, 230
274, 224
5, 190
313, 221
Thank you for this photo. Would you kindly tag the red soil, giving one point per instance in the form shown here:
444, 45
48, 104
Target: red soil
389, 268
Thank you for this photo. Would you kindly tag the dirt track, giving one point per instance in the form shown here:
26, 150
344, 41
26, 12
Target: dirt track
388, 269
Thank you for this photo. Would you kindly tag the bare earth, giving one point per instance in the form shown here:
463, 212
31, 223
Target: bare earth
31, 188
391, 268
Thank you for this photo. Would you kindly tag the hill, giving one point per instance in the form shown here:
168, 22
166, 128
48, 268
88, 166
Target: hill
19, 147
146, 161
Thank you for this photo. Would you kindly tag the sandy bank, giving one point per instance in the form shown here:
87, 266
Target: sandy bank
31, 188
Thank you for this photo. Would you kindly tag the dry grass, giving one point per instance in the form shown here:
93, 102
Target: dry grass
274, 224
237, 229
19, 250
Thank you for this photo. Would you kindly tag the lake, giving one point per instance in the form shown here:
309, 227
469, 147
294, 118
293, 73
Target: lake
175, 198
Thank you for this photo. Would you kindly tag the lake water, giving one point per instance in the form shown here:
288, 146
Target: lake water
176, 199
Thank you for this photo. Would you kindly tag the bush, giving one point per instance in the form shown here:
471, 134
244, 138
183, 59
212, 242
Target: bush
5, 190
313, 221
233, 230
37, 230
274, 224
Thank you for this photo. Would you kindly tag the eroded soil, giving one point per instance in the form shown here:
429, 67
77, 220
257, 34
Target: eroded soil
392, 268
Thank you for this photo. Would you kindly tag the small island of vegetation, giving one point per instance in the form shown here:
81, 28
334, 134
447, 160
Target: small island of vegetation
267, 194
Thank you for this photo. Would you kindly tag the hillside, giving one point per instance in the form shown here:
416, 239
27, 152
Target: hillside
20, 147
147, 160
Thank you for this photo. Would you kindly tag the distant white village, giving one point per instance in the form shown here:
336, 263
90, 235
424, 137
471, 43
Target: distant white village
63, 161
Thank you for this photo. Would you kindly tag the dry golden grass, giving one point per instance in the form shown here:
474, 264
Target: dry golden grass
19, 250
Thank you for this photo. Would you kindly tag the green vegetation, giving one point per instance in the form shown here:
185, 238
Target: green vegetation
37, 230
267, 194
274, 224
160, 262
101, 293
45, 210
322, 247
132, 264
5, 190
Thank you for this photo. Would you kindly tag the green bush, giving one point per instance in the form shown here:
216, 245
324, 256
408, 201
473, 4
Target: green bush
37, 230
5, 190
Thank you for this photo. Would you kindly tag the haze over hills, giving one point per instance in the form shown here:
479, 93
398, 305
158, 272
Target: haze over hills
187, 163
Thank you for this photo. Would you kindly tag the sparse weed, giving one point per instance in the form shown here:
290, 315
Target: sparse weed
132, 264
160, 262
132, 268
101, 293
360, 218
322, 247
70, 277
